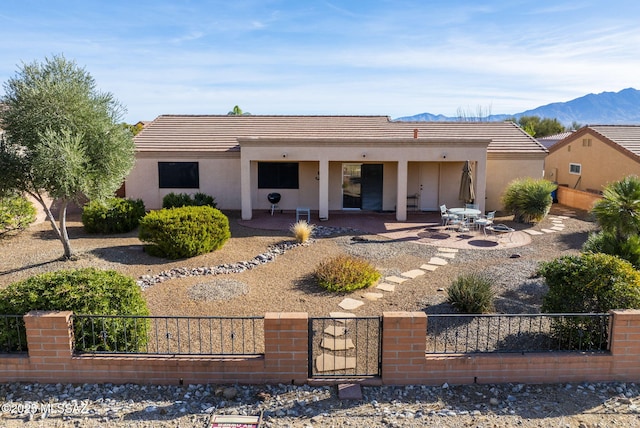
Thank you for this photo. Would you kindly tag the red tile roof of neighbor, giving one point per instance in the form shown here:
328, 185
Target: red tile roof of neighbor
219, 133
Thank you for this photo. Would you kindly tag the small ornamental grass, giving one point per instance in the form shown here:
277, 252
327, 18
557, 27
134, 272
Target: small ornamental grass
471, 294
302, 231
345, 274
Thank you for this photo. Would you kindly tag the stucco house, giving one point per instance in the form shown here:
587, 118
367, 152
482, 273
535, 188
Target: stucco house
328, 163
594, 156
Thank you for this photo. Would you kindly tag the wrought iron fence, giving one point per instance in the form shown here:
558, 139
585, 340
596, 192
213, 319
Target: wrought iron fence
450, 334
168, 335
13, 335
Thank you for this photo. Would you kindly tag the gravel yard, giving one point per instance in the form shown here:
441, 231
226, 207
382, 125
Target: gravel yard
281, 281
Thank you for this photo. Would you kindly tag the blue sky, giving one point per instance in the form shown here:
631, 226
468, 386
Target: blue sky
391, 57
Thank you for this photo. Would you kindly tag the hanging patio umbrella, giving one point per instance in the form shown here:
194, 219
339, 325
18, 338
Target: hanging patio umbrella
467, 193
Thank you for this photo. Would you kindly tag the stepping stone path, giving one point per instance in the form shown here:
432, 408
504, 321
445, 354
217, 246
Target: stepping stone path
329, 362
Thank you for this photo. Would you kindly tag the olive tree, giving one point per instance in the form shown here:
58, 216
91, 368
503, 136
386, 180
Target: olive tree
62, 138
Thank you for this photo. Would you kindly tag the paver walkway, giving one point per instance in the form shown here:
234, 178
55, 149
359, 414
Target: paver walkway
328, 362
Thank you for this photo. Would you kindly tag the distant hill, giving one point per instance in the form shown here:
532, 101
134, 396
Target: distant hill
606, 108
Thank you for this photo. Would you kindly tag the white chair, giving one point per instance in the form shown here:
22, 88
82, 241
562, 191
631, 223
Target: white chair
485, 221
472, 217
446, 216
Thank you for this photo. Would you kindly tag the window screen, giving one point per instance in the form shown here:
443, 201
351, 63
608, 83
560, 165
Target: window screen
575, 168
278, 175
178, 175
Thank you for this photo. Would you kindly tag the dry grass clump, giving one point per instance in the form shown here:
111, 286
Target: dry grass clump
346, 273
302, 231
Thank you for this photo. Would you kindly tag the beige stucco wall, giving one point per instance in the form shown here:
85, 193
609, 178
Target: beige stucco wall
220, 173
502, 169
219, 177
600, 164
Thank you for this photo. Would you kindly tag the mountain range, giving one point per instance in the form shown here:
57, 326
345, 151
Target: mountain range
605, 108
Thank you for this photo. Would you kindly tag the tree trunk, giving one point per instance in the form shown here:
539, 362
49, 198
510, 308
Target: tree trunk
64, 236
62, 230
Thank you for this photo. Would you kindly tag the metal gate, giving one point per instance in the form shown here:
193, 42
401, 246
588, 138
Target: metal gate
345, 347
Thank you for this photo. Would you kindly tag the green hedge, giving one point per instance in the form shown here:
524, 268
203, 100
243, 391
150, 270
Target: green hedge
85, 292
115, 215
177, 200
184, 232
588, 283
16, 214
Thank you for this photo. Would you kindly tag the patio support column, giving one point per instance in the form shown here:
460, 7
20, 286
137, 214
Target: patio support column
245, 188
401, 203
323, 190
481, 183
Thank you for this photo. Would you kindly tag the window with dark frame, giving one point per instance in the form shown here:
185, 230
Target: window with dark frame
278, 175
178, 175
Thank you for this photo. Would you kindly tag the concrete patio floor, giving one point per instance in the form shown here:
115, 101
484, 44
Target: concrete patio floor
421, 227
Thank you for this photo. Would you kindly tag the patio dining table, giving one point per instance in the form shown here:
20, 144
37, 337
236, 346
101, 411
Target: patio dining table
465, 212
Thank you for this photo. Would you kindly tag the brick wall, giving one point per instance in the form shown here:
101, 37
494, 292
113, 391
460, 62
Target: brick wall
51, 358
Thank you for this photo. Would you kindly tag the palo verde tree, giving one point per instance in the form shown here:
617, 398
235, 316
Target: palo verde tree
63, 138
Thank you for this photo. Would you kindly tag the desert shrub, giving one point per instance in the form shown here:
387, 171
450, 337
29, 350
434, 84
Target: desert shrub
471, 294
184, 232
87, 292
176, 200
16, 214
115, 215
528, 199
302, 231
607, 243
346, 273
588, 283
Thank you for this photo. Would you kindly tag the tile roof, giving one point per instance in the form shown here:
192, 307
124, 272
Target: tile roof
626, 136
219, 133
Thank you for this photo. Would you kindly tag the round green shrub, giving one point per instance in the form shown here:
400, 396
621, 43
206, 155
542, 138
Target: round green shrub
607, 243
346, 273
471, 294
115, 215
176, 200
86, 291
589, 283
16, 214
528, 199
184, 232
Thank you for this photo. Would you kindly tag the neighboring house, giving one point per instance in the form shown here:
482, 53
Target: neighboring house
329, 163
550, 140
594, 156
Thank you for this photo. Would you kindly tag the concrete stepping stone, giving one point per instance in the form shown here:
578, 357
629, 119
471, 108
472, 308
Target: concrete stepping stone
446, 255
414, 273
386, 287
373, 296
340, 316
533, 232
350, 304
349, 391
335, 330
395, 279
548, 231
333, 344
429, 267
447, 250
558, 228
438, 261
331, 363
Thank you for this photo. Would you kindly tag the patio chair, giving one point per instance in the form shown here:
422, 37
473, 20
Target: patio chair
446, 216
472, 217
485, 221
